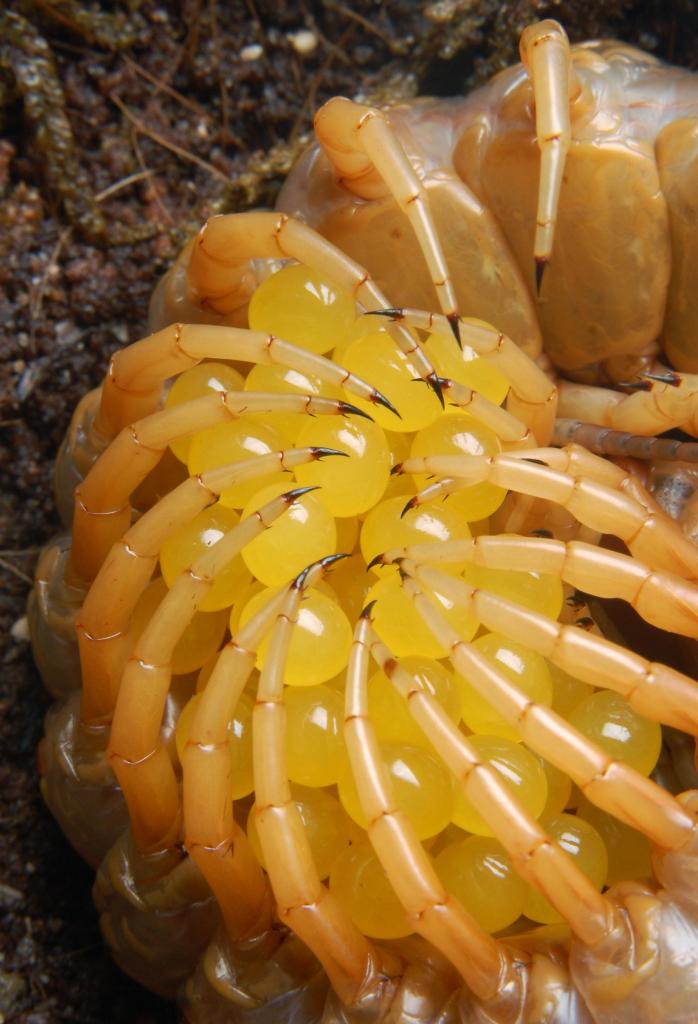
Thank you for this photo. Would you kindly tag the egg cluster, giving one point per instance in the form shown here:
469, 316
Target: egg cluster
354, 506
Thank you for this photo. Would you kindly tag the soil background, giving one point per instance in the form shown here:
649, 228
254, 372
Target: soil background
122, 127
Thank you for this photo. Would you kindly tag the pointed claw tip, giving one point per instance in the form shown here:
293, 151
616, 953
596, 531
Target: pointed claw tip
298, 492
377, 560
392, 312
347, 409
436, 384
410, 505
397, 469
367, 611
321, 453
540, 265
670, 378
327, 560
635, 385
378, 399
454, 321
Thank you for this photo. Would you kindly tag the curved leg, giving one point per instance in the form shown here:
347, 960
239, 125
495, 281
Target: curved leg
137, 754
369, 160
533, 396
640, 524
535, 856
133, 386
352, 963
431, 910
658, 401
213, 278
103, 621
545, 52
102, 506
663, 599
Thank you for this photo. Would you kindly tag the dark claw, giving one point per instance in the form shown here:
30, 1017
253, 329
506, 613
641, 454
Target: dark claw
453, 320
347, 409
672, 379
378, 399
434, 382
327, 560
292, 496
635, 385
540, 266
546, 534
366, 612
436, 385
320, 453
393, 314
536, 462
378, 560
397, 469
412, 503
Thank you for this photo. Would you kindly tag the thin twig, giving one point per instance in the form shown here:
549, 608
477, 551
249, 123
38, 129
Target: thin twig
37, 291
395, 46
124, 183
226, 134
165, 143
169, 219
162, 86
9, 567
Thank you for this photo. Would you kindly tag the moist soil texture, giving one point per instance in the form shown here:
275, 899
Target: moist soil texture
122, 128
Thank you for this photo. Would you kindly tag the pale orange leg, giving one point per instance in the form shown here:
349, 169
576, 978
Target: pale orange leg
137, 754
648, 532
533, 396
609, 784
102, 625
351, 961
370, 161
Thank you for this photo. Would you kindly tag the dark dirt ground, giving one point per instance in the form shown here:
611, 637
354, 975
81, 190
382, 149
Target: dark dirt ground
153, 121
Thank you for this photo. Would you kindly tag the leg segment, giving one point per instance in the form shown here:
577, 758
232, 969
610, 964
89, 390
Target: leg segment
102, 507
138, 757
609, 784
545, 52
647, 531
433, 913
303, 902
369, 160
533, 396
534, 855
103, 622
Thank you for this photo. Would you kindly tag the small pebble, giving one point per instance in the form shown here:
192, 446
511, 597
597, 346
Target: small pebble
303, 41
252, 52
20, 630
